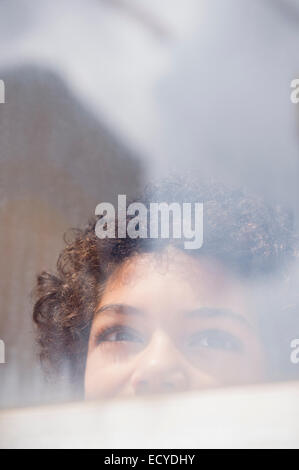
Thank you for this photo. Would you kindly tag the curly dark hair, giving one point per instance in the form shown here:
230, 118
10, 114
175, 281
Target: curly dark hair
246, 234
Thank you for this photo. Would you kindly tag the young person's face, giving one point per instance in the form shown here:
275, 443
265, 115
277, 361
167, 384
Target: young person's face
171, 323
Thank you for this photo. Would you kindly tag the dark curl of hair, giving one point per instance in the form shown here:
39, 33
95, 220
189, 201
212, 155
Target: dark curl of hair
243, 232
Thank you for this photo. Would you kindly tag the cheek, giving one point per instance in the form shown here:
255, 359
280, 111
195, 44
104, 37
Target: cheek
232, 369
105, 379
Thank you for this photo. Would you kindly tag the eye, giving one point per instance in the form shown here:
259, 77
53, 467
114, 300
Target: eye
119, 333
215, 339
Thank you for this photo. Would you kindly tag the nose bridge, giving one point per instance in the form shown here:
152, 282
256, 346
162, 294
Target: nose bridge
160, 367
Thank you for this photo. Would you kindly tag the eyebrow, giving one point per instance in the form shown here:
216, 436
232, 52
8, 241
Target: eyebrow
203, 312
218, 312
118, 308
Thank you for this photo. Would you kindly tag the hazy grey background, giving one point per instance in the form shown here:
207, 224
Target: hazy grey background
216, 73
103, 95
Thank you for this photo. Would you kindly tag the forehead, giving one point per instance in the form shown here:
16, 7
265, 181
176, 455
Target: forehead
174, 280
